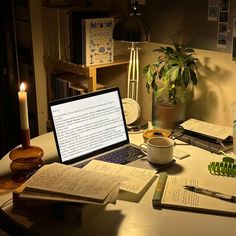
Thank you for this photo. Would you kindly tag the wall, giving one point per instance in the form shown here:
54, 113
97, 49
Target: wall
213, 95
40, 77
173, 21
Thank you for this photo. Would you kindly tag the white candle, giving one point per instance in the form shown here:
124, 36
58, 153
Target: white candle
22, 95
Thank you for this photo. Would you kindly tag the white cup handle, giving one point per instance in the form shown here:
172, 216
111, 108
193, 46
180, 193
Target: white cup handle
143, 150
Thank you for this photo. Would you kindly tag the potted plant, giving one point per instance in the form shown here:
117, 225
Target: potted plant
170, 79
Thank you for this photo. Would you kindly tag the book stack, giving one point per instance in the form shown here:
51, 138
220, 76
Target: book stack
69, 212
208, 136
67, 84
64, 36
80, 192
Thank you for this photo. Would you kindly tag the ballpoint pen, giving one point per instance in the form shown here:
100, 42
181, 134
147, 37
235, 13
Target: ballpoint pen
210, 193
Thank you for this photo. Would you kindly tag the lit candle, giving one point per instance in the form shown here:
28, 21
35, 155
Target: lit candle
22, 95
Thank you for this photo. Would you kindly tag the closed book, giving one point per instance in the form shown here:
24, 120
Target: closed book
98, 41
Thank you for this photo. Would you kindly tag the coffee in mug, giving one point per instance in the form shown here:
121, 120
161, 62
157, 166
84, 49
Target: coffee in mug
159, 150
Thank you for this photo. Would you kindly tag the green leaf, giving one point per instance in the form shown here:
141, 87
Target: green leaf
169, 50
149, 76
177, 81
154, 85
186, 76
146, 68
172, 73
189, 50
193, 77
148, 87
158, 92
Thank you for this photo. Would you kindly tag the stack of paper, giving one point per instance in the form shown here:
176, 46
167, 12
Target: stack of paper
58, 182
98, 182
211, 137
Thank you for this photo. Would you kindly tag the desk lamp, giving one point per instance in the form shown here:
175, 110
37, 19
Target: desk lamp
132, 29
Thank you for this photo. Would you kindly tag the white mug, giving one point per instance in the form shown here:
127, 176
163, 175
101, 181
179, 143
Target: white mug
159, 150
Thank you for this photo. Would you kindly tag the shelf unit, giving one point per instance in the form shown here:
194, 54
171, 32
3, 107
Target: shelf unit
83, 72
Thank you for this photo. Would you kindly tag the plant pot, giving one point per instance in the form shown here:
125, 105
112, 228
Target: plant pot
167, 116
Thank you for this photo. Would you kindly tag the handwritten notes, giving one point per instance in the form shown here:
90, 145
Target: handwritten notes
176, 196
98, 182
70, 181
134, 179
175, 192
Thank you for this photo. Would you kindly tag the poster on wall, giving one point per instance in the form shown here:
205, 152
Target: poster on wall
213, 10
223, 20
234, 40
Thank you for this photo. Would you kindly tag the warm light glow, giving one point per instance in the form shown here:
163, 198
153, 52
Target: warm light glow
22, 87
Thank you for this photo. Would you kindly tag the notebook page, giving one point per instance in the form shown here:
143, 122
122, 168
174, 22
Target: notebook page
68, 180
134, 179
176, 195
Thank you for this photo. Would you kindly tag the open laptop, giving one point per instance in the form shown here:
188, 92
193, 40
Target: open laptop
92, 126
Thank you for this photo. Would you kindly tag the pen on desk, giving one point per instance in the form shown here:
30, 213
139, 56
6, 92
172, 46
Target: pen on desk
210, 193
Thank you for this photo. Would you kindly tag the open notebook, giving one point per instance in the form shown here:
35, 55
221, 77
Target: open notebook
171, 193
92, 126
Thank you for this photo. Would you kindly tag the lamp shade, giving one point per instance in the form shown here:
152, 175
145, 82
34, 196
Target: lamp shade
131, 29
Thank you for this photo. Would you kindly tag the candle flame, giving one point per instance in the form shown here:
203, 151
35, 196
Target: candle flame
22, 87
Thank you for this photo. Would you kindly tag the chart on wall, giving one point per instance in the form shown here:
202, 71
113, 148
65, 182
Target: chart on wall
204, 24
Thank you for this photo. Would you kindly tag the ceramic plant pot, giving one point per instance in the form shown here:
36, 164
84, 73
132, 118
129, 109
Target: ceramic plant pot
167, 116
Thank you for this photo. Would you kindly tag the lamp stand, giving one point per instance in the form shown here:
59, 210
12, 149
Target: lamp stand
133, 73
133, 87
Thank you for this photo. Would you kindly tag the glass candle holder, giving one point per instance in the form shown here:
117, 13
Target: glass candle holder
26, 159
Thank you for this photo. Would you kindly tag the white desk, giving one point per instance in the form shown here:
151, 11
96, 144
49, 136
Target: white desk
129, 218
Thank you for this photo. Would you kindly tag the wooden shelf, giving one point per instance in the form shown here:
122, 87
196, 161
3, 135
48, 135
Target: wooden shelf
53, 65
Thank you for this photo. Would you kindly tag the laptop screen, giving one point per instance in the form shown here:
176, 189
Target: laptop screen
88, 124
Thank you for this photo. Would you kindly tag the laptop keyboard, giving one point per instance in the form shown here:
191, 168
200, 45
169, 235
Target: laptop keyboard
121, 156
